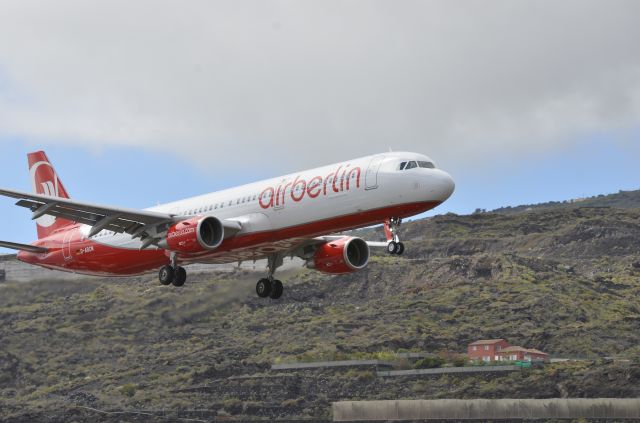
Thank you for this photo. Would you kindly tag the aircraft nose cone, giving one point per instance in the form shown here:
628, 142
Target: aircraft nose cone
443, 185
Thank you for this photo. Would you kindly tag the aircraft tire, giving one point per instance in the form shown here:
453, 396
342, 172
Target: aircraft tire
392, 247
276, 290
263, 288
180, 276
166, 275
400, 249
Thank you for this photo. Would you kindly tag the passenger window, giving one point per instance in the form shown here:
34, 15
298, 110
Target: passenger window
426, 165
411, 165
402, 165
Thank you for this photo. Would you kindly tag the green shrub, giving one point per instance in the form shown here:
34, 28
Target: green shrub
429, 363
232, 405
128, 390
459, 361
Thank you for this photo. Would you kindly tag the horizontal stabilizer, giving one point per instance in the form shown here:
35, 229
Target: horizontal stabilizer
22, 247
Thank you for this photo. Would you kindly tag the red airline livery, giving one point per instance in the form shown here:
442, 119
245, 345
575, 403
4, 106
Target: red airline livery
286, 216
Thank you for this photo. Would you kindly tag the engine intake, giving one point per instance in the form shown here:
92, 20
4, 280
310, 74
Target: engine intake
194, 235
345, 255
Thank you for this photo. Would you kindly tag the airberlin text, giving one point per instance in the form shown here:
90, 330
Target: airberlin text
181, 232
343, 179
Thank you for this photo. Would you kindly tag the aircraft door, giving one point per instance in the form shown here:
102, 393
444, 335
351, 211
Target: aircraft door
66, 245
371, 176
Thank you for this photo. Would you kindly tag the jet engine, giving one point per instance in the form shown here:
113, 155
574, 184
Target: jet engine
345, 255
194, 235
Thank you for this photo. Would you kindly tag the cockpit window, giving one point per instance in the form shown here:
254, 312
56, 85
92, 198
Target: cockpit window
426, 165
411, 165
402, 165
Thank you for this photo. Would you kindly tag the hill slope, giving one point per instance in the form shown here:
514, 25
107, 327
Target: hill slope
620, 200
565, 280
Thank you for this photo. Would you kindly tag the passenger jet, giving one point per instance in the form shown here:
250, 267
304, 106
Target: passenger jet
288, 216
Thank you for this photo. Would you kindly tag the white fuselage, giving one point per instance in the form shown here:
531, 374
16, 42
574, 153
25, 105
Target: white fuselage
313, 196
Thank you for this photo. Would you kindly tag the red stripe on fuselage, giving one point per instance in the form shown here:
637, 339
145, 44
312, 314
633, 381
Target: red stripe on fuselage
86, 256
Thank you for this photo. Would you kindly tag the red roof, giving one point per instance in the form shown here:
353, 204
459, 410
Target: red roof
521, 349
487, 342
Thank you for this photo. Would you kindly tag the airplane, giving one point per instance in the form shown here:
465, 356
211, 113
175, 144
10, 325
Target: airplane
287, 216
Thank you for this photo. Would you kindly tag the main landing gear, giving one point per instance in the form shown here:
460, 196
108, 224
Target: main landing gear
172, 273
391, 228
270, 287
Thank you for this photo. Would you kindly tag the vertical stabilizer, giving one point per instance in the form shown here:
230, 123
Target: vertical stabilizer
45, 181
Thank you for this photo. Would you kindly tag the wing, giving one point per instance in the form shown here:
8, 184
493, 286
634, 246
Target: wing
137, 223
22, 247
100, 217
303, 248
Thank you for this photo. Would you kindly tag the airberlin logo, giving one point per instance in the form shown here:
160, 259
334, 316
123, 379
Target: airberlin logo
49, 189
45, 182
181, 232
50, 186
344, 178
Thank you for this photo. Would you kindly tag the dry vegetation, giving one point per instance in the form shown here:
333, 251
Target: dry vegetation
562, 280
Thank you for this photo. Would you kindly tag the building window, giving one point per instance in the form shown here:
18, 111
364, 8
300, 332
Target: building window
474, 348
486, 348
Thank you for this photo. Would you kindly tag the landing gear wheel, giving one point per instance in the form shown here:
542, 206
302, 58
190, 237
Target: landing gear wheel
263, 288
166, 275
276, 290
179, 277
400, 249
392, 247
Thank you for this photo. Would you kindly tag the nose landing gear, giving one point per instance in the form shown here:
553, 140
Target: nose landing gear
270, 287
391, 228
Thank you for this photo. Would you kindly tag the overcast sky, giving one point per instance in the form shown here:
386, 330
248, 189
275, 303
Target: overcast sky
265, 87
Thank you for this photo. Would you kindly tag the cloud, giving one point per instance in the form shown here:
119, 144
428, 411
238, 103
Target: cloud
305, 82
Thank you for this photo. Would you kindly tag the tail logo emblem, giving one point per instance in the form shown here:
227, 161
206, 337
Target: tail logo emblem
48, 188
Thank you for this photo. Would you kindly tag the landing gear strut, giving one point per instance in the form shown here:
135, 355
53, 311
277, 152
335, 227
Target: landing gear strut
172, 273
391, 228
270, 287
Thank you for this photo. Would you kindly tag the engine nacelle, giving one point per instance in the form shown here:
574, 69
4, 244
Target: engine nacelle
194, 235
344, 255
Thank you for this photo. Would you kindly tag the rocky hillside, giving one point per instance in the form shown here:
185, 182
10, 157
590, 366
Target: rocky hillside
565, 281
620, 200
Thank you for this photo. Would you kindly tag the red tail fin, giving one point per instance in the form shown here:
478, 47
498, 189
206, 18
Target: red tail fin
45, 181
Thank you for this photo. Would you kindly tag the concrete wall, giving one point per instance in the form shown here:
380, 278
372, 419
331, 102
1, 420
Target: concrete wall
447, 370
329, 364
499, 409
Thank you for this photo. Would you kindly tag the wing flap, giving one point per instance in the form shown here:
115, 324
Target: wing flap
119, 219
22, 247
